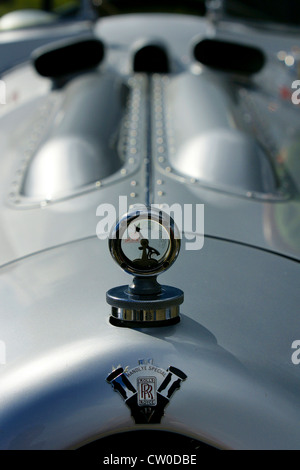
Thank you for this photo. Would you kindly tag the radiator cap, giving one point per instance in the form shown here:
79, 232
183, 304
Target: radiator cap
144, 242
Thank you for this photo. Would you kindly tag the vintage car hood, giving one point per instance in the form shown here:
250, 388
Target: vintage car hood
240, 314
233, 342
215, 119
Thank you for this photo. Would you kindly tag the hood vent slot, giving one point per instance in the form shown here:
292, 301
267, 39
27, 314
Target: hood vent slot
229, 57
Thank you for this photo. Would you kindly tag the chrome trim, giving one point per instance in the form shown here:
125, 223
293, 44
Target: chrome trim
150, 315
120, 228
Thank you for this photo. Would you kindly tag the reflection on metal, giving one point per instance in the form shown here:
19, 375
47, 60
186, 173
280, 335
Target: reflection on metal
209, 142
146, 389
26, 18
76, 154
152, 225
75, 147
152, 315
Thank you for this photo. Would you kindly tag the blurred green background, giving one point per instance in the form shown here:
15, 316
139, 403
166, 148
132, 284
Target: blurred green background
50, 5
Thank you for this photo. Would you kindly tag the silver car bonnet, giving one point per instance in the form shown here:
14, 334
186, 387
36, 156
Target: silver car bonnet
259, 213
242, 387
240, 314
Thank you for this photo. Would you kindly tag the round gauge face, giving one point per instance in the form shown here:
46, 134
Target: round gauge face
143, 242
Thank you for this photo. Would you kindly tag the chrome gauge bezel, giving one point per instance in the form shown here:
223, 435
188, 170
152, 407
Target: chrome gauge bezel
154, 215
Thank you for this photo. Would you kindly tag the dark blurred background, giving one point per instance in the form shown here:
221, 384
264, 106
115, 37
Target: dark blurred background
279, 11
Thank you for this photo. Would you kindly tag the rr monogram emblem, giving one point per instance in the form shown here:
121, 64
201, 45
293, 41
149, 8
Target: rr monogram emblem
146, 389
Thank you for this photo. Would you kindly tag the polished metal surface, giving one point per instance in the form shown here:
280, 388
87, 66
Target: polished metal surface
152, 315
26, 18
75, 153
71, 163
235, 351
240, 313
205, 140
24, 119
